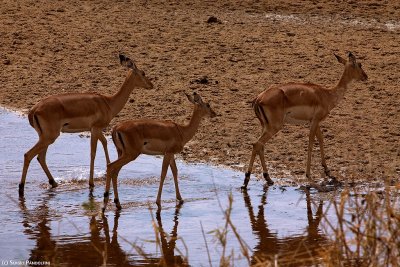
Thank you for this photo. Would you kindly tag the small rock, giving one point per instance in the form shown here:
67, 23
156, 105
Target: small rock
7, 62
213, 19
202, 80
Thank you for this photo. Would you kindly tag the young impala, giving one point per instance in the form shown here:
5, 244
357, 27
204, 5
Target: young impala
153, 137
300, 102
78, 112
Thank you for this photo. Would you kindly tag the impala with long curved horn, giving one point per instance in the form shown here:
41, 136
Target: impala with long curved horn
153, 137
300, 102
78, 112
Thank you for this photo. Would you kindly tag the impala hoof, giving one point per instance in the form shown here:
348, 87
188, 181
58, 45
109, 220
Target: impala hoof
321, 188
117, 204
332, 182
21, 190
53, 183
268, 179
246, 180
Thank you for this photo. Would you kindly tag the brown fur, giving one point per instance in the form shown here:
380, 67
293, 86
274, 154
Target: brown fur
153, 137
299, 103
76, 113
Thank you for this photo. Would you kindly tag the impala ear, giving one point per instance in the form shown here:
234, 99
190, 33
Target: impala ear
197, 98
190, 98
122, 58
340, 59
126, 61
352, 58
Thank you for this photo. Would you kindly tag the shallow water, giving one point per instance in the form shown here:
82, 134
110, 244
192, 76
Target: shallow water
64, 225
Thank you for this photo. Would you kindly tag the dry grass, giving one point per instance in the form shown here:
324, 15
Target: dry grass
367, 232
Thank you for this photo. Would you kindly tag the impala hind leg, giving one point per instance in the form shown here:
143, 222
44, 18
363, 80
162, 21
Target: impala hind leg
174, 170
112, 174
248, 173
103, 141
165, 164
42, 160
40, 146
264, 166
258, 149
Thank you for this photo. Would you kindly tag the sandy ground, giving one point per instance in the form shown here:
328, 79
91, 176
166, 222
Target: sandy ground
50, 47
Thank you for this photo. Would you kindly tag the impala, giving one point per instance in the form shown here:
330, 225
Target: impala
153, 137
78, 112
300, 102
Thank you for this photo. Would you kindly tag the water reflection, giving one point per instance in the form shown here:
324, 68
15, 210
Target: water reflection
168, 242
36, 226
293, 250
94, 248
62, 227
81, 250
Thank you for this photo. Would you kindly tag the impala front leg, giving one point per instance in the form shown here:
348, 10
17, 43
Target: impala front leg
313, 129
174, 170
321, 148
165, 164
93, 147
333, 180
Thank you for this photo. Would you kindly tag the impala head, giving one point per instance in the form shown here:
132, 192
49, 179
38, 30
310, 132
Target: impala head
199, 104
353, 68
138, 75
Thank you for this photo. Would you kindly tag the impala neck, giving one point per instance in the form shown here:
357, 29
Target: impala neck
189, 130
119, 99
340, 89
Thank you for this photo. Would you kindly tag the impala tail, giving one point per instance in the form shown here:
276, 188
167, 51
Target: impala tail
34, 121
30, 118
118, 142
259, 111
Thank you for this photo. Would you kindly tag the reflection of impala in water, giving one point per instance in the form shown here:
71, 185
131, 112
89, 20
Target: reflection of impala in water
83, 249
293, 250
168, 247
92, 248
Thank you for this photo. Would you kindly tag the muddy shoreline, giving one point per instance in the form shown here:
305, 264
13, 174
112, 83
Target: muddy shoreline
56, 47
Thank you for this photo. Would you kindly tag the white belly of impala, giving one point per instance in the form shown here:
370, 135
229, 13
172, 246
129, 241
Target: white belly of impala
76, 125
299, 114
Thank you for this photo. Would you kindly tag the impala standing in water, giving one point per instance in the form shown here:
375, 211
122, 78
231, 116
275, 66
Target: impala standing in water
300, 102
78, 112
153, 137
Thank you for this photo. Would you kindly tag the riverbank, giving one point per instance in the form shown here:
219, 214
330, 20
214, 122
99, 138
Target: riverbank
58, 47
